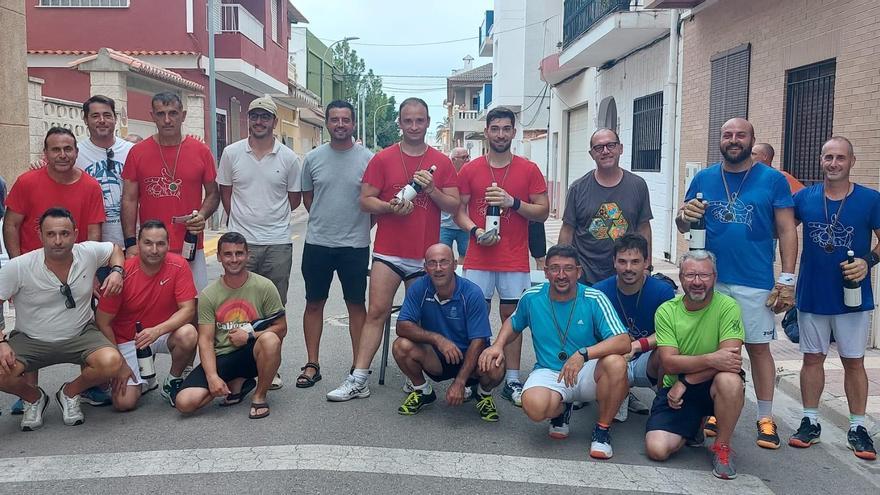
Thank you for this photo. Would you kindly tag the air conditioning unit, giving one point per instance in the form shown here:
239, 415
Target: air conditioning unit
690, 171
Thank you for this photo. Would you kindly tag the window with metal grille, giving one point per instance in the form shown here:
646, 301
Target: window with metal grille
728, 93
273, 13
809, 115
83, 3
647, 132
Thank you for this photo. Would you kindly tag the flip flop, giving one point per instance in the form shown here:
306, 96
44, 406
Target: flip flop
259, 405
306, 381
246, 387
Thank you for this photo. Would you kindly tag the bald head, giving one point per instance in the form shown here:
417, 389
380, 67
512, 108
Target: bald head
438, 249
738, 123
840, 140
764, 153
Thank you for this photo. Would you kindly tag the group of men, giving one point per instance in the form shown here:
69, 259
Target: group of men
600, 324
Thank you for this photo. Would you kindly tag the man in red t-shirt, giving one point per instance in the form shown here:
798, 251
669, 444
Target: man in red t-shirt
405, 229
160, 295
500, 261
163, 178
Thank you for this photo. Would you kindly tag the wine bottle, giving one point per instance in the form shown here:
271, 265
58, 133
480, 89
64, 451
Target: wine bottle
852, 290
698, 230
190, 243
412, 189
493, 216
145, 357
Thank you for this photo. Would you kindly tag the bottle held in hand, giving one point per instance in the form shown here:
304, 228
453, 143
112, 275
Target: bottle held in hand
190, 243
698, 230
146, 365
493, 217
411, 190
852, 290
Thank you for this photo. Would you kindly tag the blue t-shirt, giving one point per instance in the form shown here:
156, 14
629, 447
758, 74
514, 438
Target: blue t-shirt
820, 282
740, 232
637, 313
462, 318
594, 320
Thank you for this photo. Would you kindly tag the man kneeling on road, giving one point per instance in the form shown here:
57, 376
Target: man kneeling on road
52, 288
442, 328
233, 346
567, 321
699, 340
159, 293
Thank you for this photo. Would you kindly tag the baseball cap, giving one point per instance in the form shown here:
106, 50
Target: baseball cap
264, 103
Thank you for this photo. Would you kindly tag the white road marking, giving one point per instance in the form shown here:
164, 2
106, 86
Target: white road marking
455, 465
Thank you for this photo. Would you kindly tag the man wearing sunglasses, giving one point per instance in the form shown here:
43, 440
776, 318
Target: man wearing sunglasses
52, 288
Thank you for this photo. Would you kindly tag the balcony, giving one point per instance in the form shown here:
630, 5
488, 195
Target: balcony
234, 18
485, 48
467, 121
581, 15
672, 4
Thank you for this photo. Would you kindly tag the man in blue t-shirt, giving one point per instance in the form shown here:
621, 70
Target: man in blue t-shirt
636, 297
442, 328
837, 216
743, 206
579, 345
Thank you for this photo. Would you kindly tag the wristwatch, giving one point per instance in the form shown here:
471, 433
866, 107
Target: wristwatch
118, 269
683, 379
583, 352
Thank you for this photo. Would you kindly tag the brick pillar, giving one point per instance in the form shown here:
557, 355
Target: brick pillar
37, 123
194, 124
13, 80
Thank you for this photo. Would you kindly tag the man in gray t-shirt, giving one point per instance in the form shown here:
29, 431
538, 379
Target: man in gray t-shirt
338, 234
603, 205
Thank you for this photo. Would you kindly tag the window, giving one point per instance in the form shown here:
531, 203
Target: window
273, 14
728, 93
647, 132
809, 115
84, 3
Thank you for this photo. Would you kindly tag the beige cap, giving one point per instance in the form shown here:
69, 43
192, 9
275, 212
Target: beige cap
264, 103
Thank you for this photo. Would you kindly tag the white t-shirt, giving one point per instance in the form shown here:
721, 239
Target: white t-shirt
40, 312
259, 207
93, 160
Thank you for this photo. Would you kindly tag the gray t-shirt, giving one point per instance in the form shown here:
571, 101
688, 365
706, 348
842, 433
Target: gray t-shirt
602, 214
335, 217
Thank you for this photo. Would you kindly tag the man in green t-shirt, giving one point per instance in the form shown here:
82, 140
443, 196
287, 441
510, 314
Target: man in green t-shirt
699, 342
233, 347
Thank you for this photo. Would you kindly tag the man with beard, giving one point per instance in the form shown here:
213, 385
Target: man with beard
699, 341
338, 234
450, 231
579, 345
603, 205
743, 206
405, 228
500, 262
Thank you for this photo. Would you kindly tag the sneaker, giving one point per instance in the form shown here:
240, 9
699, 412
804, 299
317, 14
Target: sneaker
32, 415
623, 410
415, 401
722, 461
559, 424
767, 437
806, 435
70, 411
96, 397
637, 406
486, 408
170, 388
697, 440
710, 428
578, 405
17, 408
349, 390
149, 385
861, 444
276, 382
408, 386
601, 446
513, 392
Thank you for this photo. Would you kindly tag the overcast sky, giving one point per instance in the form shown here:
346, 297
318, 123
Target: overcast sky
404, 23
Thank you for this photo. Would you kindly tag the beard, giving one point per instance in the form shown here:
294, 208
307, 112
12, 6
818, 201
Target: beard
737, 158
500, 148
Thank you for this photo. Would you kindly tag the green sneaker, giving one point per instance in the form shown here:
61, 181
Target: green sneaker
415, 401
486, 408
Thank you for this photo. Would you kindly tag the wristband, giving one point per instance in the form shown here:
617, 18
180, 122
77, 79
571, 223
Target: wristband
785, 279
682, 378
643, 343
516, 204
474, 231
871, 259
130, 242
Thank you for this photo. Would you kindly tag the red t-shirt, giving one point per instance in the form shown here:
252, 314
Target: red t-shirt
408, 236
170, 188
35, 192
521, 178
148, 299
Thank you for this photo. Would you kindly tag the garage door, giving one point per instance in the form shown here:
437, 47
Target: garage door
578, 159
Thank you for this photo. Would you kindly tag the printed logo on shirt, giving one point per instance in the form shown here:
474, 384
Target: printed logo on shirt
832, 234
609, 222
107, 173
164, 186
732, 212
232, 313
162, 282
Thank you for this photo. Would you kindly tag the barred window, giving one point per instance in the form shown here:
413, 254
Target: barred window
647, 132
809, 115
84, 3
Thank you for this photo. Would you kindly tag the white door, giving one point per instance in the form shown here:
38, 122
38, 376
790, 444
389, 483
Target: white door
578, 161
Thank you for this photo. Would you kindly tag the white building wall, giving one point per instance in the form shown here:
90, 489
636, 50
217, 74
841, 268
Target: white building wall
573, 94
297, 47
507, 53
542, 30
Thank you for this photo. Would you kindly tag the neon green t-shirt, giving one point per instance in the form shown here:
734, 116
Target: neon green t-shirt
695, 333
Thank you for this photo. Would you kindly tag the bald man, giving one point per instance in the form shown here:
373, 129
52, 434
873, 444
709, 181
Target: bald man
743, 205
442, 328
764, 153
450, 231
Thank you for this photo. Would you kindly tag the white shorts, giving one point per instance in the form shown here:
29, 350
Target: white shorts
758, 320
405, 268
583, 391
510, 285
637, 371
199, 268
850, 331
129, 352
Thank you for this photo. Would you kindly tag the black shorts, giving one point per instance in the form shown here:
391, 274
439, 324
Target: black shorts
239, 363
684, 422
449, 371
350, 264
537, 240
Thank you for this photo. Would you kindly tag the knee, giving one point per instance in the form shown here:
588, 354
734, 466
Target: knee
728, 384
268, 341
314, 306
853, 365
402, 347
814, 360
186, 336
186, 402
613, 365
757, 351
534, 407
106, 360
124, 405
656, 451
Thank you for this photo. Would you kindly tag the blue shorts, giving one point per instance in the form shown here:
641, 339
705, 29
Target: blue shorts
461, 238
449, 371
683, 422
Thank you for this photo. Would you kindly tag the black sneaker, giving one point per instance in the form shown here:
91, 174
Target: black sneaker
806, 435
415, 401
559, 424
861, 444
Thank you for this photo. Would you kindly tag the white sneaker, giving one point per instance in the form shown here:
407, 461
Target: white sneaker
276, 382
623, 411
349, 390
637, 406
70, 410
149, 385
32, 418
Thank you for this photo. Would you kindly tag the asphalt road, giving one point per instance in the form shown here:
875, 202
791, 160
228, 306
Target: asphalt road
309, 445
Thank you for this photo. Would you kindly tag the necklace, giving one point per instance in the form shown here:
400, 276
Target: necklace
406, 175
835, 219
172, 184
731, 199
630, 322
503, 177
563, 337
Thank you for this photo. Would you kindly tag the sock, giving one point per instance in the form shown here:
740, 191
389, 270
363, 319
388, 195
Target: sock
424, 388
511, 376
172, 377
360, 375
812, 413
483, 392
765, 409
856, 420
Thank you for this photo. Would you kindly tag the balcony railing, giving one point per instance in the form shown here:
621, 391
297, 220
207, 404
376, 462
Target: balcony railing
468, 114
581, 15
234, 18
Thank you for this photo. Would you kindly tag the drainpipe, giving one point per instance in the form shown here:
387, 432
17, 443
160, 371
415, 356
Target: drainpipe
672, 129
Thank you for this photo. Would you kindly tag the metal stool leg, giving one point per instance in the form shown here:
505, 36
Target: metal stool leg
385, 342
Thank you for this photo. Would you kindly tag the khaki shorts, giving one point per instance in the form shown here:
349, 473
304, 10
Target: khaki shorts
36, 354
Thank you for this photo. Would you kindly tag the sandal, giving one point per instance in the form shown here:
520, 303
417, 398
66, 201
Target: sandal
306, 381
258, 405
246, 387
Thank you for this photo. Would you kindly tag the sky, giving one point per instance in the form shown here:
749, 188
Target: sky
404, 23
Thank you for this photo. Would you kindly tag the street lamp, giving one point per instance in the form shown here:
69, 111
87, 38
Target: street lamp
375, 114
347, 38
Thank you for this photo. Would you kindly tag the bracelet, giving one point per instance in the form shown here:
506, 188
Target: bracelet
516, 204
643, 343
682, 378
474, 231
785, 279
130, 242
